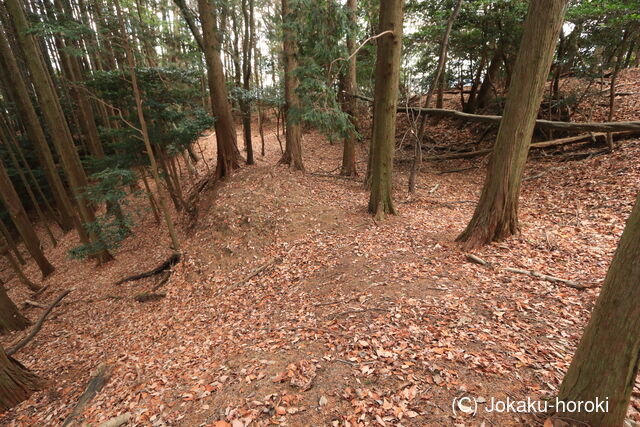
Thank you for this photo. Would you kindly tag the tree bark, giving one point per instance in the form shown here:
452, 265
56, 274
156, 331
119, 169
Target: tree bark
292, 155
188, 17
496, 215
227, 149
16, 382
245, 104
348, 167
10, 317
387, 77
606, 362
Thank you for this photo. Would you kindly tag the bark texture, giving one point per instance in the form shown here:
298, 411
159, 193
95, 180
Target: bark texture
16, 382
227, 148
496, 215
605, 364
349, 102
292, 155
10, 317
387, 77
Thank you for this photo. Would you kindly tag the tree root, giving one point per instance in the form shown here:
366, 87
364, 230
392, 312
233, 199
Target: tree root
170, 262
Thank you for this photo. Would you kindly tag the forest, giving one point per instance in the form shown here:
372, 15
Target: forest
343, 213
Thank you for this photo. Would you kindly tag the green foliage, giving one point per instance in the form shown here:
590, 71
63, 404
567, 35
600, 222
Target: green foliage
114, 225
321, 28
172, 109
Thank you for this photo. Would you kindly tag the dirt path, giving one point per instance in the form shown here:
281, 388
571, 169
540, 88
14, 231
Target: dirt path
350, 322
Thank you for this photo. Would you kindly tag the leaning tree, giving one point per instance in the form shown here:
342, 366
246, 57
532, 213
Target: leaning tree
606, 362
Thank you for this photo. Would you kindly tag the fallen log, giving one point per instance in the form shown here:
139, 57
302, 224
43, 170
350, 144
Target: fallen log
170, 262
547, 124
538, 145
95, 384
36, 328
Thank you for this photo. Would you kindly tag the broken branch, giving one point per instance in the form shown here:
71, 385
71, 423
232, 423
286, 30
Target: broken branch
36, 328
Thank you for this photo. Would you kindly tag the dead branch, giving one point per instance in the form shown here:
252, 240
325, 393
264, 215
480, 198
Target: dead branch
28, 303
40, 291
149, 296
95, 384
477, 260
254, 273
547, 124
546, 277
170, 262
36, 328
538, 145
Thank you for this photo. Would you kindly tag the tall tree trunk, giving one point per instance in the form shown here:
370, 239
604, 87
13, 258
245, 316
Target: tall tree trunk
442, 60
19, 216
227, 148
16, 382
496, 215
143, 129
292, 155
245, 104
348, 167
10, 317
606, 362
387, 78
56, 122
189, 18
18, 90
15, 266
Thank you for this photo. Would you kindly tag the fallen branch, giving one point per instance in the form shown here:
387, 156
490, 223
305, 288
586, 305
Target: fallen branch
253, 274
547, 124
37, 294
95, 384
149, 296
170, 262
477, 260
33, 304
36, 328
537, 145
535, 274
117, 421
531, 273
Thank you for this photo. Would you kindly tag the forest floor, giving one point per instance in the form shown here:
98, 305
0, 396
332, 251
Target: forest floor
346, 321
